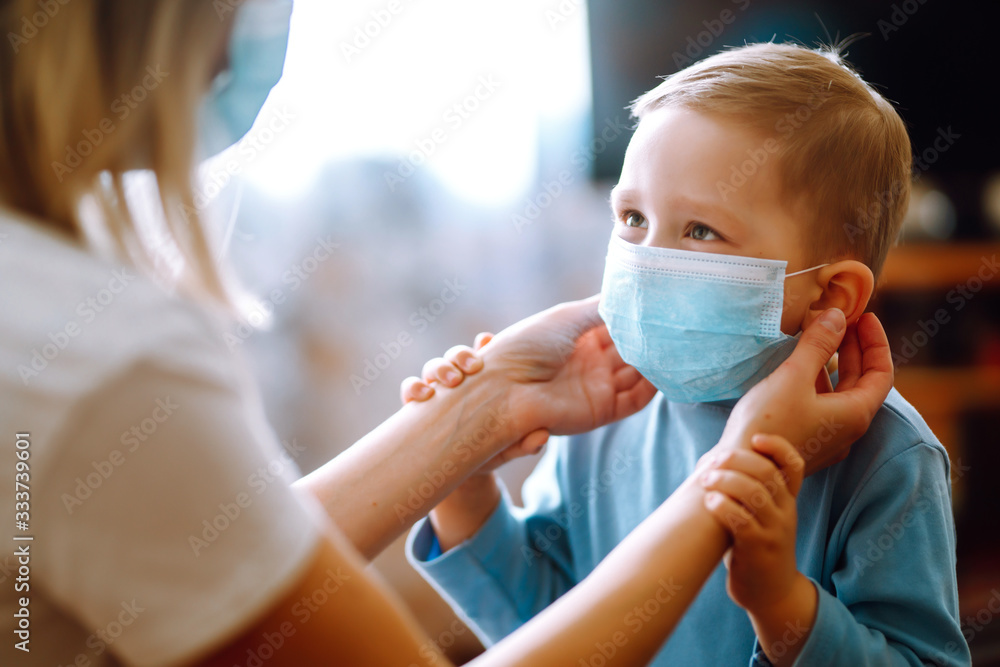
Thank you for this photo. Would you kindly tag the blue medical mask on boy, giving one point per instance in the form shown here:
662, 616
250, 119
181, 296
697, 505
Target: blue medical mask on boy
257, 50
699, 326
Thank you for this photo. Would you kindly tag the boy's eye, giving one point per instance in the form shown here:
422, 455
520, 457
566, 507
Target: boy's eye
634, 219
700, 232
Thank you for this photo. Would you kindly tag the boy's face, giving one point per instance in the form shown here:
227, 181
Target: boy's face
669, 197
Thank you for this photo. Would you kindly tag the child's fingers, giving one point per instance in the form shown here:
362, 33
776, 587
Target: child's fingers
750, 493
730, 514
482, 339
414, 389
442, 371
751, 463
785, 456
465, 359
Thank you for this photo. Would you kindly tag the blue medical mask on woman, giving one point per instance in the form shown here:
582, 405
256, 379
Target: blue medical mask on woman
257, 50
699, 326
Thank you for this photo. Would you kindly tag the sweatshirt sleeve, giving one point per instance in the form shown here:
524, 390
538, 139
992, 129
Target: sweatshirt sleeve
517, 564
896, 599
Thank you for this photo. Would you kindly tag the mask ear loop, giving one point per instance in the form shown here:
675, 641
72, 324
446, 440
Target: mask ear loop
818, 266
227, 239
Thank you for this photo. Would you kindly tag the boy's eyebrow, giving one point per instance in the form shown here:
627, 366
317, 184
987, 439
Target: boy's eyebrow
621, 196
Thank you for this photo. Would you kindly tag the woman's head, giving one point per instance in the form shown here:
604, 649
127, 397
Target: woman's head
90, 89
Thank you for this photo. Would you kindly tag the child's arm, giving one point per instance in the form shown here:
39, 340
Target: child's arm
505, 565
752, 495
893, 561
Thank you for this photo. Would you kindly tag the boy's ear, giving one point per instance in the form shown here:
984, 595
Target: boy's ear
848, 285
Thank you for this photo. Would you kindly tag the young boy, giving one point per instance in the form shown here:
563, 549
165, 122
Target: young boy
761, 153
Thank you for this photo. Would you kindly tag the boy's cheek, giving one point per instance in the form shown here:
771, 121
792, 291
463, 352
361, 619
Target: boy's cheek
793, 313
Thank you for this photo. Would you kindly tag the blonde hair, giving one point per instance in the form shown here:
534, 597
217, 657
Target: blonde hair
92, 89
843, 150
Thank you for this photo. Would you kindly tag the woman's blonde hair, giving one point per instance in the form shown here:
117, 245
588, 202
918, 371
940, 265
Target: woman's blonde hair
92, 89
841, 147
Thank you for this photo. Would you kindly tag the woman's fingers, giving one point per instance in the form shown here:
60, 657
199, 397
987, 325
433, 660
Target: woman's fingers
529, 445
849, 362
632, 392
855, 402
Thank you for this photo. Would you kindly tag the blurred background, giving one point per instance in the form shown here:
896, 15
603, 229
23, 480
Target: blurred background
429, 170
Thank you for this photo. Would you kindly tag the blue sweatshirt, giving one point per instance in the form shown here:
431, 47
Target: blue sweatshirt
875, 535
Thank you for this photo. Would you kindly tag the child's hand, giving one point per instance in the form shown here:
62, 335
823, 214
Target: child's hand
449, 371
752, 495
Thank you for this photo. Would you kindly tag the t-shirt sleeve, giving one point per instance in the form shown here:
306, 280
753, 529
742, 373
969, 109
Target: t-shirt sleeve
166, 506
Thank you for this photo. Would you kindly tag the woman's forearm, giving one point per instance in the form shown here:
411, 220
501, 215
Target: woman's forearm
393, 476
631, 602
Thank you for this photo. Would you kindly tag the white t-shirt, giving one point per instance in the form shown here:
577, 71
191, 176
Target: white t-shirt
159, 501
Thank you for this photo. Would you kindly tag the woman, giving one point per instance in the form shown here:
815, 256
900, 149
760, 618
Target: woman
156, 521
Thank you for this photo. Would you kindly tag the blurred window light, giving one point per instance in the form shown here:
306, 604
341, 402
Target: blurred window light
460, 89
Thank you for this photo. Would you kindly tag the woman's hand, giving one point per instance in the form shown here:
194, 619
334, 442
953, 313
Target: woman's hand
796, 400
567, 377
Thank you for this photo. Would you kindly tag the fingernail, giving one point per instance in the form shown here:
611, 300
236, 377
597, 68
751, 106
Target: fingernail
834, 320
709, 477
423, 393
451, 377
